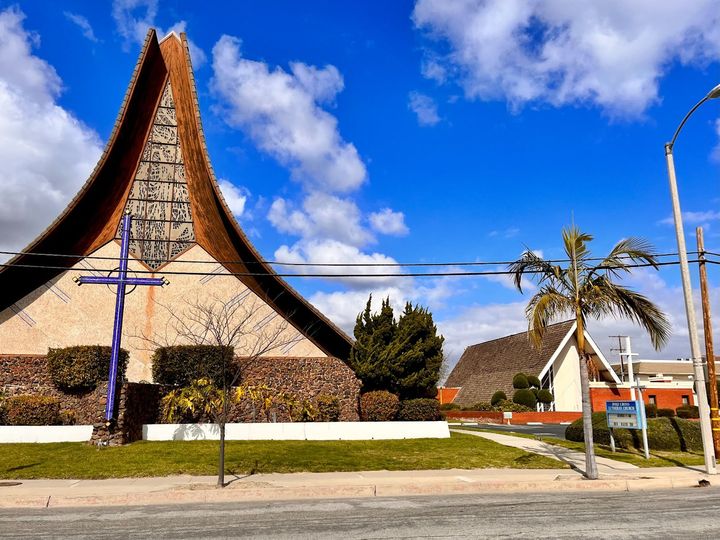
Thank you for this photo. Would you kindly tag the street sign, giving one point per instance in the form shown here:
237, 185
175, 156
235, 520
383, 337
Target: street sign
625, 414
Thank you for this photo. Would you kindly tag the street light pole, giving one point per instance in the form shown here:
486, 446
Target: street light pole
704, 410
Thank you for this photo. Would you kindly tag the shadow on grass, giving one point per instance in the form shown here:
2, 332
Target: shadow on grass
21, 467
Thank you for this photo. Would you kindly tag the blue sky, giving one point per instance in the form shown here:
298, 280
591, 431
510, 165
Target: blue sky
425, 131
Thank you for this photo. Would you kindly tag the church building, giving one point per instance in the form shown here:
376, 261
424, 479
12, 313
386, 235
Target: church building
156, 168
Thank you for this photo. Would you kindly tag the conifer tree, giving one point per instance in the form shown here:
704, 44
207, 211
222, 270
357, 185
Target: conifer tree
402, 357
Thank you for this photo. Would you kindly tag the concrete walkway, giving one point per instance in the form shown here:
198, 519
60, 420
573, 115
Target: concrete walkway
573, 458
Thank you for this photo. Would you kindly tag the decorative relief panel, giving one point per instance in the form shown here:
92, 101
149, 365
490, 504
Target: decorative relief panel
159, 203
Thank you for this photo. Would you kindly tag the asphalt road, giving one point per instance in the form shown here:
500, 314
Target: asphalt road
689, 513
547, 430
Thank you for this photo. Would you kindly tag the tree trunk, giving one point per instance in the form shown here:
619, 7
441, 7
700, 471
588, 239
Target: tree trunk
591, 471
221, 464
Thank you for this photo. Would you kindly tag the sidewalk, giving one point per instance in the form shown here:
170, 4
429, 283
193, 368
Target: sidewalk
573, 458
201, 489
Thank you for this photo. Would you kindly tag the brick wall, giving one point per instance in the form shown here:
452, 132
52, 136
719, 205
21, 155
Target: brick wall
665, 398
496, 417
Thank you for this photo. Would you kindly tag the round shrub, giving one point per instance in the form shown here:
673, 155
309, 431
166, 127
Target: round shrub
27, 410
480, 406
328, 408
688, 411
180, 365
525, 397
665, 413
449, 407
545, 396
509, 406
663, 434
497, 397
82, 367
533, 381
419, 410
520, 382
378, 406
650, 410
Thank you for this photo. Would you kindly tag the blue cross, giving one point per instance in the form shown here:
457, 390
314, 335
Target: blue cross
121, 281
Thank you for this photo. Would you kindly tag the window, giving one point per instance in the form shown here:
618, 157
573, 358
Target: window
686, 400
652, 400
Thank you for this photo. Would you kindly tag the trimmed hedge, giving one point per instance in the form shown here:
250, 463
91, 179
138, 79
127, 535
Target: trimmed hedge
533, 381
328, 408
379, 406
663, 434
497, 397
509, 406
28, 410
520, 381
450, 407
650, 410
180, 365
688, 411
545, 396
665, 413
419, 410
525, 397
480, 406
82, 367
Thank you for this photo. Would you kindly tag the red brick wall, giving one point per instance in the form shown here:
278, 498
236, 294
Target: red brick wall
496, 417
665, 398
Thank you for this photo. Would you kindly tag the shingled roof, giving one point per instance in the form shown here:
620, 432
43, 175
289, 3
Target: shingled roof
490, 366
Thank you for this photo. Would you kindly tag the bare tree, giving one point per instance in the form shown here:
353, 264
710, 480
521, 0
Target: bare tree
244, 323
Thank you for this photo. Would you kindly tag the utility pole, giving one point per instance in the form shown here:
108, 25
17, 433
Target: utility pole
709, 352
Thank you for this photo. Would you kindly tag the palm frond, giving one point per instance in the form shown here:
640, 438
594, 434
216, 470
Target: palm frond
546, 306
628, 251
539, 270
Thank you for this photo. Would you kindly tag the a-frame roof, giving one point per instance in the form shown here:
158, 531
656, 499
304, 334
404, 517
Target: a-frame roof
490, 366
91, 219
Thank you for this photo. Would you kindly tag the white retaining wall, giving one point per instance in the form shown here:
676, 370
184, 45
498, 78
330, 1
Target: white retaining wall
298, 431
45, 434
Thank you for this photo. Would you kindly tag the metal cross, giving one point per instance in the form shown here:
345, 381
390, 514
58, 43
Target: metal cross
121, 281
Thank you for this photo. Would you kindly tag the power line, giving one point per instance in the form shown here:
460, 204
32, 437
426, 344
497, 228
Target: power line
335, 265
335, 276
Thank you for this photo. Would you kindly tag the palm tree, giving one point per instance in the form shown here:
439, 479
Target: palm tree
585, 290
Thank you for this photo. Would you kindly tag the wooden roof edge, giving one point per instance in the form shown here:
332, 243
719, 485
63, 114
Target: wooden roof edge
45, 234
569, 321
231, 217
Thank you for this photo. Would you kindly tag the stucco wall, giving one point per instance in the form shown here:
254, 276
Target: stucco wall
60, 314
566, 385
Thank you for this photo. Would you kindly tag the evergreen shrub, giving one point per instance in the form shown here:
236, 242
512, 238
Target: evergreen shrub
497, 397
520, 382
545, 396
533, 381
650, 410
180, 365
688, 411
378, 406
674, 434
508, 406
449, 407
525, 397
480, 406
28, 410
419, 410
82, 367
665, 413
328, 408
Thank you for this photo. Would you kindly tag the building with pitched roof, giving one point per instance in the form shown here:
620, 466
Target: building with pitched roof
488, 367
156, 167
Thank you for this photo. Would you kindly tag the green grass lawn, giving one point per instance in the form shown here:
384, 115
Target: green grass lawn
79, 460
658, 458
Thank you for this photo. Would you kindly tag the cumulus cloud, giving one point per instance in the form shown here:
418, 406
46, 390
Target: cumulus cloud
694, 218
281, 112
133, 19
387, 221
83, 24
47, 153
424, 108
610, 54
235, 197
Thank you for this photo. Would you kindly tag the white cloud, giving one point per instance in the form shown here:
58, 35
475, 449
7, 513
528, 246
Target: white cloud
716, 151
83, 24
510, 232
610, 54
46, 153
280, 111
694, 218
387, 221
133, 19
424, 108
235, 197
322, 216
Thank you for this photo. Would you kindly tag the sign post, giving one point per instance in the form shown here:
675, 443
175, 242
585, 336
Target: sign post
627, 415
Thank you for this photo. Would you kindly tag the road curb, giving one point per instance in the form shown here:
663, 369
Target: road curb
300, 492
